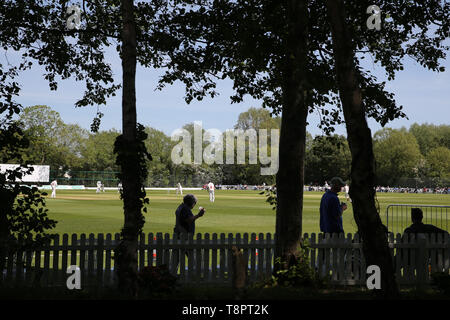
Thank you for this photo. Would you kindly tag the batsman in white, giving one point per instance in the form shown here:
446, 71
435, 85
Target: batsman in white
54, 184
99, 185
211, 190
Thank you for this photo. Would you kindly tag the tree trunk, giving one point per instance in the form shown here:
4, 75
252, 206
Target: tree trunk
7, 203
362, 188
127, 248
290, 176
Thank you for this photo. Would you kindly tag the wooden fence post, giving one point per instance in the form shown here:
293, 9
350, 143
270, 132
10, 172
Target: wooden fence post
206, 249
99, 267
214, 261
65, 244
108, 244
422, 261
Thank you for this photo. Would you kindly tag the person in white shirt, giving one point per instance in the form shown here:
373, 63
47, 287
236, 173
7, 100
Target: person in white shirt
211, 191
179, 189
119, 187
99, 185
347, 189
54, 184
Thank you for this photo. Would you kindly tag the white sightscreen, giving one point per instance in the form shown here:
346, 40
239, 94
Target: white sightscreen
40, 173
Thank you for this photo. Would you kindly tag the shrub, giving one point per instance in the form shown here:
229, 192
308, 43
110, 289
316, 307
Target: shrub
300, 274
157, 281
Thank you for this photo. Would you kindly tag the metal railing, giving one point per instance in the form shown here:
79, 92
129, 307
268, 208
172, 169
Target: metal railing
398, 216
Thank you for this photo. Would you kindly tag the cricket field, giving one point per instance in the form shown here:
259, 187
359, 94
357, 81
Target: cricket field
234, 211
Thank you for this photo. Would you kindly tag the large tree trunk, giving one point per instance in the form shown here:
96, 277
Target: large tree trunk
290, 176
126, 252
362, 191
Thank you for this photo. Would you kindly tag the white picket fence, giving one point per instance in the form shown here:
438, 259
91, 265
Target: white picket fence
207, 258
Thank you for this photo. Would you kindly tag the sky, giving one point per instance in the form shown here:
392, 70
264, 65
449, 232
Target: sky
425, 96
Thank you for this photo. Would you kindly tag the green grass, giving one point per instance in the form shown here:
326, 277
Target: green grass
232, 212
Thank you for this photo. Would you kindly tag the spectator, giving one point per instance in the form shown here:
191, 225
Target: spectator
185, 219
184, 224
330, 208
418, 226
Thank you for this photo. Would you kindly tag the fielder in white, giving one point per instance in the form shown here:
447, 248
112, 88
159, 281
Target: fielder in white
347, 189
54, 184
99, 185
211, 189
179, 188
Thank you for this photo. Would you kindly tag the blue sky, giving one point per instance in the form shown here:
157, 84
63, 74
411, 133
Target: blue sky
425, 96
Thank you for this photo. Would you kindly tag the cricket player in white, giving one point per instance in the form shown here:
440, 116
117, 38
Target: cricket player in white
211, 191
179, 189
99, 185
54, 184
346, 189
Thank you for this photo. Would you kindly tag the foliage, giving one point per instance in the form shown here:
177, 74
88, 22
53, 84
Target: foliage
97, 151
24, 209
22, 212
52, 142
157, 281
431, 136
72, 148
438, 165
139, 156
327, 157
257, 118
271, 196
298, 274
397, 154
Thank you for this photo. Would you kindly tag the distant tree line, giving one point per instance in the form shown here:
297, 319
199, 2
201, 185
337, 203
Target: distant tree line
414, 157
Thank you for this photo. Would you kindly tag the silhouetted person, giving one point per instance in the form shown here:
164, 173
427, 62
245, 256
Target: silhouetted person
185, 224
419, 229
185, 219
331, 209
418, 226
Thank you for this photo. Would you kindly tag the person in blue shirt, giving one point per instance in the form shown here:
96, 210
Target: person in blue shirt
331, 209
